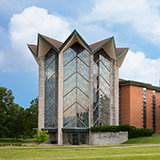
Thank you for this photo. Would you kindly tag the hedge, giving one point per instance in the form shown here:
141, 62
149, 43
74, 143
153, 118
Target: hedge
133, 132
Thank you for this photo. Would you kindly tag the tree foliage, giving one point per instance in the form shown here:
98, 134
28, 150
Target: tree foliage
41, 136
15, 121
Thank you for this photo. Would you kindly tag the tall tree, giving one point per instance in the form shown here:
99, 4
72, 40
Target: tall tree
31, 118
6, 104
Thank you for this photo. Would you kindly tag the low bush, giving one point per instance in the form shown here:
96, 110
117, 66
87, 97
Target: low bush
133, 132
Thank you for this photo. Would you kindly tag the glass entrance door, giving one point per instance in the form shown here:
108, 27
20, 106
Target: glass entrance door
75, 139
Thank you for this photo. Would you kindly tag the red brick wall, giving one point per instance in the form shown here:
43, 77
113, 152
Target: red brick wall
125, 105
157, 112
136, 103
149, 108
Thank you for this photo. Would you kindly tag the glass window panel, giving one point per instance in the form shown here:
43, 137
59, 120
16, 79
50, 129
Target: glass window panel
69, 99
49, 115
103, 85
49, 57
69, 115
80, 124
50, 100
50, 70
105, 61
95, 114
105, 101
84, 56
82, 137
104, 72
69, 54
50, 85
83, 84
82, 114
69, 84
82, 99
95, 69
69, 69
83, 69
77, 48
95, 84
72, 124
105, 116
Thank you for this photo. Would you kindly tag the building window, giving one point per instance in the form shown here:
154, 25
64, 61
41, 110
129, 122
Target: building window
51, 89
76, 87
154, 109
101, 89
144, 108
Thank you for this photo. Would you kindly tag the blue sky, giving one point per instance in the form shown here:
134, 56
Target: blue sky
134, 24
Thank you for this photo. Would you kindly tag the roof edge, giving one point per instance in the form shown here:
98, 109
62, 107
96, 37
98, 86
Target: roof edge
32, 50
123, 53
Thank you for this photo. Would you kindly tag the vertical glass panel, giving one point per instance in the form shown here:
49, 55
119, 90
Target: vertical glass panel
95, 99
82, 99
80, 124
69, 115
69, 99
105, 101
83, 84
84, 56
73, 123
82, 114
69, 54
49, 100
69, 84
104, 72
103, 85
83, 69
49, 85
49, 115
105, 61
50, 70
96, 114
105, 116
95, 69
49, 57
95, 84
69, 69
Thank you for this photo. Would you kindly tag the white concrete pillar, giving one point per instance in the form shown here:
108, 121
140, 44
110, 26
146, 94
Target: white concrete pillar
41, 92
60, 99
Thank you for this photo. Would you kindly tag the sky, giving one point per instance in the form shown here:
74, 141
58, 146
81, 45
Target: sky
134, 24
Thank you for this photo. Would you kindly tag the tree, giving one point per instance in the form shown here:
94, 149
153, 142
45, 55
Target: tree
41, 136
6, 104
31, 118
18, 114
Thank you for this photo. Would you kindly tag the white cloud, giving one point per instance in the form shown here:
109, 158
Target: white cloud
23, 30
142, 15
139, 68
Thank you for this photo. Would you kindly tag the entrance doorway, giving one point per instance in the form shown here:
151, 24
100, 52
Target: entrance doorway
75, 138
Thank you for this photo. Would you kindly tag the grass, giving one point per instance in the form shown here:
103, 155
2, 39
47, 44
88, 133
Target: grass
98, 153
154, 139
84, 152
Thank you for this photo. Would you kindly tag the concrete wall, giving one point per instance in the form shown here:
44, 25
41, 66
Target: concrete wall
105, 138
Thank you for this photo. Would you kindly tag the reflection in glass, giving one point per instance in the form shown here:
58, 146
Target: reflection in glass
51, 87
76, 86
101, 89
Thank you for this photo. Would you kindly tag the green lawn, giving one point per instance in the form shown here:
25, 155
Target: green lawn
154, 139
13, 140
84, 152
99, 153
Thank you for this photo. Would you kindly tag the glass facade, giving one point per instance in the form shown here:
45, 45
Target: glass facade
76, 87
51, 89
101, 89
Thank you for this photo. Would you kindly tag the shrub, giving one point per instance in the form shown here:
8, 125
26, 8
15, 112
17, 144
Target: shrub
133, 132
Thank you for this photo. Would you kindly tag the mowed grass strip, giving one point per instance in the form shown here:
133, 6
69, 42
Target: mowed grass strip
99, 153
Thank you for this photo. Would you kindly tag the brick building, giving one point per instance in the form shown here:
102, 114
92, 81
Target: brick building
139, 105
